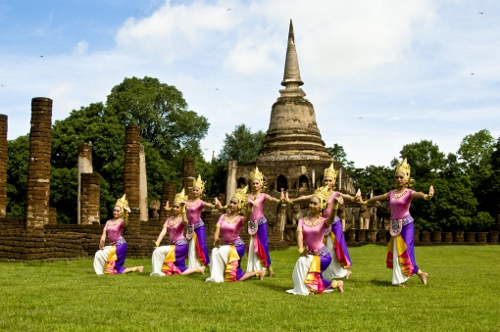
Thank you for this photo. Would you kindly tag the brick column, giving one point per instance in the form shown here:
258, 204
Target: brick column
188, 175
168, 194
84, 166
38, 186
3, 164
131, 173
90, 198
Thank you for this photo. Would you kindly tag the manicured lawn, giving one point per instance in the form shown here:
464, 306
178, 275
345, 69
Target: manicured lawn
462, 295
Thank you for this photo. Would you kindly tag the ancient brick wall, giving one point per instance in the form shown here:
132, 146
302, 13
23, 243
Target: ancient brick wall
3, 164
90, 198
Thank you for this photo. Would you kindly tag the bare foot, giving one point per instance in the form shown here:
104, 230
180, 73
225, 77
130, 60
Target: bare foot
202, 270
348, 275
402, 285
340, 285
271, 272
423, 276
261, 274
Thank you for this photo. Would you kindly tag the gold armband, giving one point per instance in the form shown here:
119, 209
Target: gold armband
217, 225
365, 203
386, 195
291, 202
299, 229
335, 206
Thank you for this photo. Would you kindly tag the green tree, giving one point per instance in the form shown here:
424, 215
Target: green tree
475, 151
161, 112
242, 144
17, 175
337, 152
425, 159
380, 179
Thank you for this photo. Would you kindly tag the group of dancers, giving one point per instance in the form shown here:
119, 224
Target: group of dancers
323, 254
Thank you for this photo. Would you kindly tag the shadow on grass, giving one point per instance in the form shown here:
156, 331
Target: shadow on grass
381, 283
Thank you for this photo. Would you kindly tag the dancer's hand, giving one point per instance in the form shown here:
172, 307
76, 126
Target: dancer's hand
217, 243
339, 199
431, 191
166, 206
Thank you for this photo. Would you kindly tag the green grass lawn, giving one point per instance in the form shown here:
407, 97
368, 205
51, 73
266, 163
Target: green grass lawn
462, 295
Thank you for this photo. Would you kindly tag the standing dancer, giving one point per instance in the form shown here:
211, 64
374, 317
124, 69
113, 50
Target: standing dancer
171, 259
110, 259
226, 259
401, 251
258, 250
335, 240
315, 258
198, 253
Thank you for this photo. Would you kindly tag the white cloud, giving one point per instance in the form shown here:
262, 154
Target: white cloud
81, 48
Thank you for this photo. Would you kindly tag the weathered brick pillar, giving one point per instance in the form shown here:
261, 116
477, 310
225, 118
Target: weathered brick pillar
52, 216
90, 198
131, 173
3, 165
168, 194
38, 186
84, 166
143, 186
188, 175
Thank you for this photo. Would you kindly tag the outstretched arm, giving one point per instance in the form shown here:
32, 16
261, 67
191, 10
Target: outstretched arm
427, 197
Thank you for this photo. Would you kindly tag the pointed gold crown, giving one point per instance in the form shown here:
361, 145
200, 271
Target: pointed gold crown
323, 195
200, 184
331, 172
242, 195
405, 168
256, 174
180, 197
122, 203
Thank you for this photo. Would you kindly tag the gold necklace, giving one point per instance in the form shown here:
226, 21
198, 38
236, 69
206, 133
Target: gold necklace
191, 203
312, 223
173, 221
231, 220
399, 195
253, 197
114, 222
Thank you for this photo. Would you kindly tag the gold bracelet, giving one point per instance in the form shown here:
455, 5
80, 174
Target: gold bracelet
427, 197
353, 199
291, 202
335, 206
365, 203
301, 250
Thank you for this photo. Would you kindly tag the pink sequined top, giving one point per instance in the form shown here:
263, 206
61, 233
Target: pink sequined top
329, 205
193, 212
230, 228
257, 210
400, 207
175, 231
114, 232
313, 235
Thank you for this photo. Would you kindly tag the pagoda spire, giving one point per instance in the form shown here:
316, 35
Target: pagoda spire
291, 76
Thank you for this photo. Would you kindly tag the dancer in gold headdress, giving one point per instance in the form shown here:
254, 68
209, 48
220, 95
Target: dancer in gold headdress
258, 250
171, 259
227, 254
401, 252
335, 240
315, 258
197, 253
110, 259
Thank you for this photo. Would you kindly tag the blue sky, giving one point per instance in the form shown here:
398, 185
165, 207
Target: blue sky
381, 74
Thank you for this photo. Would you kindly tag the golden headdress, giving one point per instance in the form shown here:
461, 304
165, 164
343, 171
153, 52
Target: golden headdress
323, 195
242, 196
180, 197
256, 174
331, 172
405, 168
122, 203
200, 184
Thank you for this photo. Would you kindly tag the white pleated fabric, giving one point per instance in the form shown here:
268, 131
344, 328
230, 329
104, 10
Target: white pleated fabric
100, 259
299, 276
335, 269
193, 262
157, 260
397, 273
218, 264
253, 262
